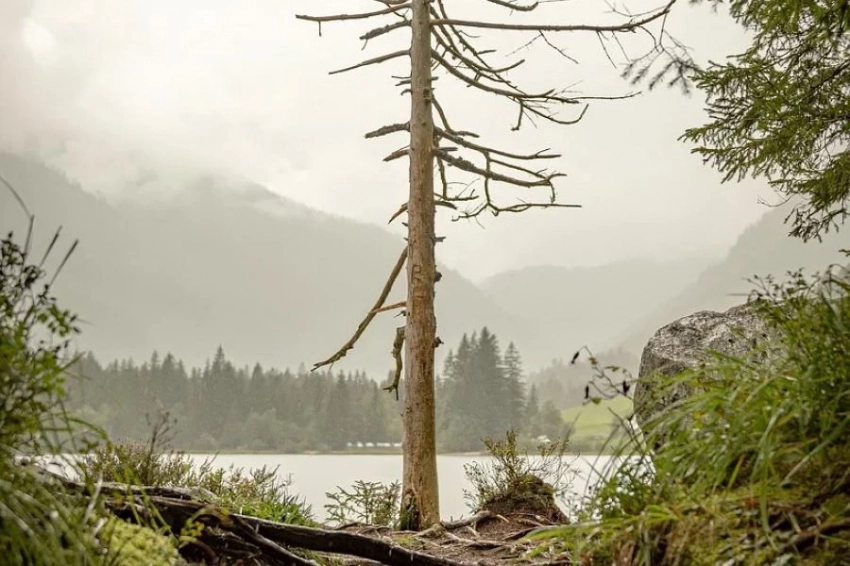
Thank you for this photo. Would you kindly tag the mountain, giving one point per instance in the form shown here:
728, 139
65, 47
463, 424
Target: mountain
589, 306
227, 263
764, 249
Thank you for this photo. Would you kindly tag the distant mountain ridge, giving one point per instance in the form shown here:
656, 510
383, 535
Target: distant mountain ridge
620, 305
233, 263
764, 249
271, 280
577, 306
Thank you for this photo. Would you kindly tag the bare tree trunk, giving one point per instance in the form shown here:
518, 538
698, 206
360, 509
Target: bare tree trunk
446, 147
420, 501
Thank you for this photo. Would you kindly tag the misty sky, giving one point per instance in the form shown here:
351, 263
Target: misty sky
135, 97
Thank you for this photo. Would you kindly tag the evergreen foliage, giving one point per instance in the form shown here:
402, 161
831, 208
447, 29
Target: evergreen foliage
223, 407
481, 394
781, 109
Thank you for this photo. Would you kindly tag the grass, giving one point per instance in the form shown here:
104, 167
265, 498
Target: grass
751, 469
593, 421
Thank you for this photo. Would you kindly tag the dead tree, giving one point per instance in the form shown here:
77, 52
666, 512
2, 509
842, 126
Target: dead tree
439, 42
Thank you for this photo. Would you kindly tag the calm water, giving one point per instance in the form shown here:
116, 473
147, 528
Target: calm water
314, 475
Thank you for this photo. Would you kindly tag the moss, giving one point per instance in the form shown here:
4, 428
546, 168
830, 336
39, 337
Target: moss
409, 518
133, 545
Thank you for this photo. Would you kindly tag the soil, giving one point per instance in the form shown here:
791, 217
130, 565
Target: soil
488, 541
494, 535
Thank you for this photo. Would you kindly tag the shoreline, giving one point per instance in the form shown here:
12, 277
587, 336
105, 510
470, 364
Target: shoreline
356, 453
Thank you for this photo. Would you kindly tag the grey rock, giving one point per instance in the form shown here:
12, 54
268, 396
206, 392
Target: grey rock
685, 344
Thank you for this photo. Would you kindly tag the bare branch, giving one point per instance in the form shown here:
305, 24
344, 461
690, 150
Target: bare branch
373, 61
385, 29
386, 130
398, 305
445, 121
518, 7
403, 208
361, 328
463, 45
398, 154
346, 17
445, 41
469, 167
484, 149
632, 25
516, 94
398, 343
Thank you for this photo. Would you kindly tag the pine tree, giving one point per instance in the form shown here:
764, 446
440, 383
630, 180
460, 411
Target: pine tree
222, 394
375, 426
463, 428
169, 382
491, 405
258, 391
515, 387
780, 109
334, 426
481, 394
532, 412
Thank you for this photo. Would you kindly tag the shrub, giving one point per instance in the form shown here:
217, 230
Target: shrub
512, 473
39, 522
152, 463
258, 492
372, 503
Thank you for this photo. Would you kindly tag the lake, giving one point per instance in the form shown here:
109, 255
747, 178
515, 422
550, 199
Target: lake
314, 475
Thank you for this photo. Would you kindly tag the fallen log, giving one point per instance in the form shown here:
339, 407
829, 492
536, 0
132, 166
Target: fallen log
237, 534
232, 538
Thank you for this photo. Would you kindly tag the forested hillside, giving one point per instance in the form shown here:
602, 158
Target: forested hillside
221, 406
220, 264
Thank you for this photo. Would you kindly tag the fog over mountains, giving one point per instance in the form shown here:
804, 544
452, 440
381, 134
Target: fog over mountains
231, 263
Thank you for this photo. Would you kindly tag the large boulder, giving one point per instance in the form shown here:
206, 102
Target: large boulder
686, 343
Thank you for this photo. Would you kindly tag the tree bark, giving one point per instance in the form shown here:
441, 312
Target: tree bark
420, 502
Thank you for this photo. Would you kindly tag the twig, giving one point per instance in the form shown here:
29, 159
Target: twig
479, 543
809, 536
469, 521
